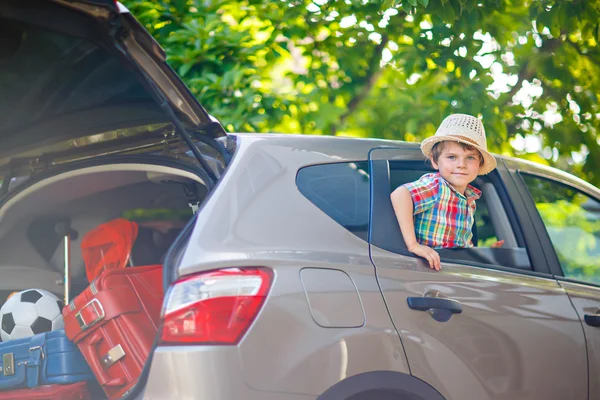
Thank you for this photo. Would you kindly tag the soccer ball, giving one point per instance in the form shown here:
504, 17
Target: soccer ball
30, 312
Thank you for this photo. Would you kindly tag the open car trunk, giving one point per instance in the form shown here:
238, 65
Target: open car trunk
96, 128
157, 198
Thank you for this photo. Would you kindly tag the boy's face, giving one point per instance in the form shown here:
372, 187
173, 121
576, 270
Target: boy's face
458, 166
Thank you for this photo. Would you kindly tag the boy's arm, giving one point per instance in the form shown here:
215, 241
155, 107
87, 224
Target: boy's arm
403, 208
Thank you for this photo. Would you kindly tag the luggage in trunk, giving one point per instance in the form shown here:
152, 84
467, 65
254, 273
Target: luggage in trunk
43, 359
114, 323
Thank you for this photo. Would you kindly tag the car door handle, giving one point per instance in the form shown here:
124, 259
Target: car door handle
428, 303
592, 319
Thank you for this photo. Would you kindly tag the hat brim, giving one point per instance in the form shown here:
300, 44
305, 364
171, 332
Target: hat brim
489, 161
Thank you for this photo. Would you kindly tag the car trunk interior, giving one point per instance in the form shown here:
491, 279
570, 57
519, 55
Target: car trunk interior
152, 196
157, 198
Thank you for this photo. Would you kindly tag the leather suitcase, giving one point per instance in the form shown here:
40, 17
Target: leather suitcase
73, 391
114, 323
43, 359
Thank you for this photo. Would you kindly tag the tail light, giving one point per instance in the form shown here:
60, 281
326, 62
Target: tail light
215, 307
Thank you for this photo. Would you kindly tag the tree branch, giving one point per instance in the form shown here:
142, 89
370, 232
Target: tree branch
373, 73
581, 53
526, 73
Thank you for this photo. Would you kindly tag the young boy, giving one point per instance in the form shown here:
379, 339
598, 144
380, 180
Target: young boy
437, 210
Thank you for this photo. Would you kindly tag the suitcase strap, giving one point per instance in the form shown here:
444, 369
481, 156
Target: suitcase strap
25, 372
36, 359
107, 304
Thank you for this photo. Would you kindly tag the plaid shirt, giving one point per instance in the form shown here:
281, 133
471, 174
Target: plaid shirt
443, 217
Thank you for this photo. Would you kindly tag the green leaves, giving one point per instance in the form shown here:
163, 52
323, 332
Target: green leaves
394, 68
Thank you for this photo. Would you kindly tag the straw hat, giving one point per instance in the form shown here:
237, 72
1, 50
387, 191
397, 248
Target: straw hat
466, 129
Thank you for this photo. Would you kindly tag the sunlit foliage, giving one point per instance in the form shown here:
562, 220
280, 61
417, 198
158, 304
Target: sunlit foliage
393, 69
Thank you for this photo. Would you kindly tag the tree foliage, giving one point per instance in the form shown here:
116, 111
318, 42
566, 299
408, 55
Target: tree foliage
395, 68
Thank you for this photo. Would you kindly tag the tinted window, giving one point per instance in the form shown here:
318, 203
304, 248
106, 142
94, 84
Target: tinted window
572, 220
341, 191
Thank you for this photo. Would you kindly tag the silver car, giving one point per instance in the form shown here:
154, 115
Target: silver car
286, 276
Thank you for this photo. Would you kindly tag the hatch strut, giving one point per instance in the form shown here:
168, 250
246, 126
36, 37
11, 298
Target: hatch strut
164, 105
186, 136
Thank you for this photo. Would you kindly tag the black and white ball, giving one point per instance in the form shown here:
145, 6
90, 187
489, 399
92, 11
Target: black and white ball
30, 312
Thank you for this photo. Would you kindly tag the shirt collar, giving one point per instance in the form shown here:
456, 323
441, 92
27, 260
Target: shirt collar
471, 192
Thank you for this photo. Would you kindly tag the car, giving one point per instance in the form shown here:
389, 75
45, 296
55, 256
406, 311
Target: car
285, 272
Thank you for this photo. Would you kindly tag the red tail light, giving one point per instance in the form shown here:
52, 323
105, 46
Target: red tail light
215, 307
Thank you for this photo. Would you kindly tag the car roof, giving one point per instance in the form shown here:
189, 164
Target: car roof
352, 148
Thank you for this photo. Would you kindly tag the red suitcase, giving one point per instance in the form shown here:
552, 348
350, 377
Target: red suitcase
73, 391
114, 323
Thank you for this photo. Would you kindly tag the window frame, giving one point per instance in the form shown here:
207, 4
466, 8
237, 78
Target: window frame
544, 236
387, 236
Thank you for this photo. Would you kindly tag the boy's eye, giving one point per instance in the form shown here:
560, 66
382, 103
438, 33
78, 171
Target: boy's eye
452, 157
471, 157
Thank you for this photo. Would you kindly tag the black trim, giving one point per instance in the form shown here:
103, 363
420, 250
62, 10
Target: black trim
428, 303
381, 385
545, 254
176, 251
385, 233
542, 232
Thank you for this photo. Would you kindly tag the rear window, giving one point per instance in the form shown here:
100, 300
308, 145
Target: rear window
341, 191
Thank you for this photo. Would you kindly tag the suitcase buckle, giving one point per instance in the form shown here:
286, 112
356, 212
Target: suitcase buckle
98, 309
8, 362
37, 348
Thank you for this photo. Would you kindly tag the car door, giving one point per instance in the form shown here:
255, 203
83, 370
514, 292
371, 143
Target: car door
492, 323
568, 212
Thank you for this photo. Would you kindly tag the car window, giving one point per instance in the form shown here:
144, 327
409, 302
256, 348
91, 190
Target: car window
341, 191
495, 219
572, 220
484, 234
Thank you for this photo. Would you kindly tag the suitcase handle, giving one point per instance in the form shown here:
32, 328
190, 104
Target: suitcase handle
91, 355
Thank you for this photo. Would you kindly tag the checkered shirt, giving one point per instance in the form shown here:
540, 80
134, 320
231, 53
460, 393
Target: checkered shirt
443, 217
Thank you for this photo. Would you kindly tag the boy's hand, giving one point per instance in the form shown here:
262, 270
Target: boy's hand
427, 253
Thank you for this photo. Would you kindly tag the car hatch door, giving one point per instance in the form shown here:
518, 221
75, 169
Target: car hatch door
71, 68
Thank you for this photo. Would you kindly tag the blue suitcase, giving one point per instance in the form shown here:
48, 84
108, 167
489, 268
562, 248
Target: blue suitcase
44, 359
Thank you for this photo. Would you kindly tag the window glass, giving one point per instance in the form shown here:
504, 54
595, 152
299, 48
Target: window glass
484, 234
492, 219
572, 220
341, 191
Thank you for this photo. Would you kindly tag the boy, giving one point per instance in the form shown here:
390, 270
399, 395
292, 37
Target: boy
437, 210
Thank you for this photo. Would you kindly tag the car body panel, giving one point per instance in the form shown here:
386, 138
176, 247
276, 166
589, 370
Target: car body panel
584, 296
511, 324
586, 300
206, 372
256, 216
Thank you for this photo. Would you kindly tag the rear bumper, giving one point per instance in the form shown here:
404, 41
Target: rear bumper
203, 372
